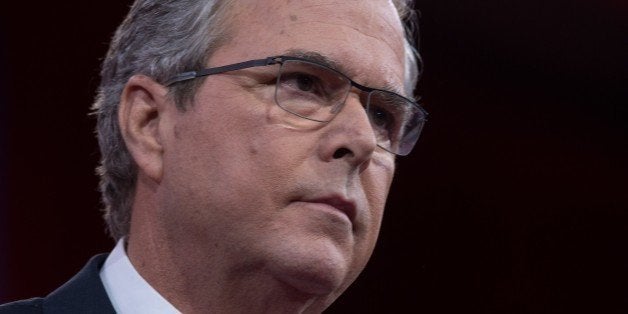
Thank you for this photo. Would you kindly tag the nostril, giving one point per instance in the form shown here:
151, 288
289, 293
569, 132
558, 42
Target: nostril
341, 152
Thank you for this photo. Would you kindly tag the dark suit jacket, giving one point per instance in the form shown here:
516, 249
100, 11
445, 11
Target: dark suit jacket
84, 293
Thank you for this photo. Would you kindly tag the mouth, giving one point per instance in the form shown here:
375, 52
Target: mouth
338, 202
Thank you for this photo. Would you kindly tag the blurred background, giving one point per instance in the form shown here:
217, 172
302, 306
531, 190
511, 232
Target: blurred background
515, 200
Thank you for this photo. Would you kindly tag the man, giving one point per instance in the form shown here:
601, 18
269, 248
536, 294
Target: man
247, 152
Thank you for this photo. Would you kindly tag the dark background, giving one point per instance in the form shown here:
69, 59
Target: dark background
514, 201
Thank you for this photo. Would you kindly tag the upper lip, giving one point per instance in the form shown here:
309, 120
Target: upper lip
339, 202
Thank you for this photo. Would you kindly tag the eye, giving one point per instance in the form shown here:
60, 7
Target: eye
303, 82
381, 117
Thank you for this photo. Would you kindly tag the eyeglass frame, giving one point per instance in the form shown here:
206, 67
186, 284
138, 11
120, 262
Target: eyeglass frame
190, 75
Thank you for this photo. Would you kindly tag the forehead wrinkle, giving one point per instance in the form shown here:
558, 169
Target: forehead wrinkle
399, 54
384, 28
378, 23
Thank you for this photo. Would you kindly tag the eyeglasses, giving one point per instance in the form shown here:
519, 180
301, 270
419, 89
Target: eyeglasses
318, 92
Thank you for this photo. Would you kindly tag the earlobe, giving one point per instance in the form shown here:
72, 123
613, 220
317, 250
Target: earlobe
142, 106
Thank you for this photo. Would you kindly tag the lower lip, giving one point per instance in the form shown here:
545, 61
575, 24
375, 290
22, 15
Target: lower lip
324, 207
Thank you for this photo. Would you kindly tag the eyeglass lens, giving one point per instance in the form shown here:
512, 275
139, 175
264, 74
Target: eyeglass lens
318, 93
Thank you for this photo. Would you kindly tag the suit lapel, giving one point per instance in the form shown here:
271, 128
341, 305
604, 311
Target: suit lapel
84, 293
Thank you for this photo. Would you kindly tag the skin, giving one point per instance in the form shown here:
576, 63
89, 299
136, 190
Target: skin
232, 209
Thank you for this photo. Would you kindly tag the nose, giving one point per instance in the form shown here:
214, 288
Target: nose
349, 136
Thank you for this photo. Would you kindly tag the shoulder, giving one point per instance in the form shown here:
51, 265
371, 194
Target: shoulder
84, 293
29, 306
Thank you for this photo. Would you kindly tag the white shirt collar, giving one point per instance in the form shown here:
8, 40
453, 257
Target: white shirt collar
127, 290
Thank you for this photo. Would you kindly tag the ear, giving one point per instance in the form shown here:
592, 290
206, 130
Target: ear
142, 106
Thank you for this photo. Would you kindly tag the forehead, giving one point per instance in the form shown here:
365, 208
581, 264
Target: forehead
364, 38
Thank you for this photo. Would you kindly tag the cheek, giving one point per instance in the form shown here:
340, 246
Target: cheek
376, 184
376, 181
209, 145
233, 155
377, 178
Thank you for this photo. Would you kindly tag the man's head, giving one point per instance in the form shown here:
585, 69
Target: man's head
216, 170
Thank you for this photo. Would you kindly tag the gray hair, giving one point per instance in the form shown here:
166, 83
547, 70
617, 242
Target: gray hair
414, 63
159, 38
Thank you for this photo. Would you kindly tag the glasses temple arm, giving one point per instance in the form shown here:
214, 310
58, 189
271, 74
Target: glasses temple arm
217, 70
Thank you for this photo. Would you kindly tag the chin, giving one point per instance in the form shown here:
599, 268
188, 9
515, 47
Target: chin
317, 268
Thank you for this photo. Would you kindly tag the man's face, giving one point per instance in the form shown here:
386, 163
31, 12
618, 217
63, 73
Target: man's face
261, 190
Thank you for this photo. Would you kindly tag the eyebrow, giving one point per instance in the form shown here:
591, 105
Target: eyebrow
396, 90
320, 59
328, 62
